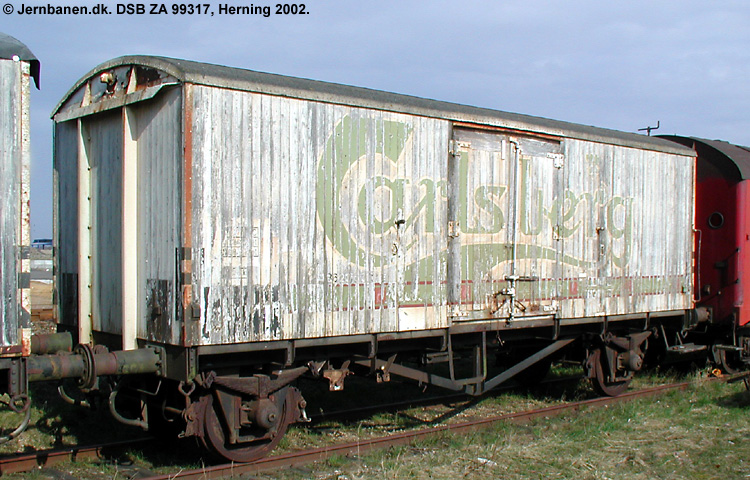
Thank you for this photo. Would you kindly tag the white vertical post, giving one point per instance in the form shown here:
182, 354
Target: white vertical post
85, 319
25, 226
129, 231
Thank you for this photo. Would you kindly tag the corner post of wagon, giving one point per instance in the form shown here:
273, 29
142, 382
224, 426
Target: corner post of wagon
18, 67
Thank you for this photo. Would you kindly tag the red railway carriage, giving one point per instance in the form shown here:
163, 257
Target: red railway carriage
722, 223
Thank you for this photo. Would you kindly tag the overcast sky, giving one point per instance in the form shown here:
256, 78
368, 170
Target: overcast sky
620, 65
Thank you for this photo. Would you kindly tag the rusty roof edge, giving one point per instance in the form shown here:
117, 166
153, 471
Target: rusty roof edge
111, 103
167, 67
294, 87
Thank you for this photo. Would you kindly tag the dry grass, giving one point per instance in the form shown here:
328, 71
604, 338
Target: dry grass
701, 434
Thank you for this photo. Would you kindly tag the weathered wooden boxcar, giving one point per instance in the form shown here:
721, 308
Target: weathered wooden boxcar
17, 66
255, 227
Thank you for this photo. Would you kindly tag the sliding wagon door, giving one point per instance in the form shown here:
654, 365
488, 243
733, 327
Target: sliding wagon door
504, 210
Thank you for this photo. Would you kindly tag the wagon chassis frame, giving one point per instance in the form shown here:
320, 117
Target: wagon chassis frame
376, 351
239, 399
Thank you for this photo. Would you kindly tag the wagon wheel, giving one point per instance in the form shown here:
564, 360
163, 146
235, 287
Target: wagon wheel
730, 362
600, 378
215, 438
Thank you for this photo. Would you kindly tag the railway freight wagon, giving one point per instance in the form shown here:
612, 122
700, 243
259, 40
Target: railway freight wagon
17, 66
252, 228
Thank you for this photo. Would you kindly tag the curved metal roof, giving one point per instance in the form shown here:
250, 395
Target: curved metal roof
737, 154
11, 47
187, 71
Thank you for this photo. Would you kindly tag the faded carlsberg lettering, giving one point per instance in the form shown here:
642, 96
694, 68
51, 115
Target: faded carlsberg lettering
364, 155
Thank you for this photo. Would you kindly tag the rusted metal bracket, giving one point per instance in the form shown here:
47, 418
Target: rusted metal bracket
383, 373
316, 368
454, 229
17, 375
336, 376
623, 353
141, 422
511, 293
256, 386
412, 373
194, 416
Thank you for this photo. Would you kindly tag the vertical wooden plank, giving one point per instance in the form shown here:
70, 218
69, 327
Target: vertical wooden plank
11, 159
84, 237
130, 232
103, 142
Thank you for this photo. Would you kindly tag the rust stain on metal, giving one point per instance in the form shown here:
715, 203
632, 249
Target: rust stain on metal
25, 341
11, 351
47, 458
187, 194
514, 131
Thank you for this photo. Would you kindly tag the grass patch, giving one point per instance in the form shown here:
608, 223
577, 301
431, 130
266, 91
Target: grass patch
703, 433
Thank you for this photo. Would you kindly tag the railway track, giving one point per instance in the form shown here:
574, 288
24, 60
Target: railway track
300, 458
26, 462
361, 412
48, 458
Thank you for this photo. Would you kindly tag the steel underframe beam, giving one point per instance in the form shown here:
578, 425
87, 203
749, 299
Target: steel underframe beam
526, 363
472, 386
412, 373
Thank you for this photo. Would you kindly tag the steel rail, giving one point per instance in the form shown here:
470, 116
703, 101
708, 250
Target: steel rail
26, 462
18, 463
296, 459
360, 412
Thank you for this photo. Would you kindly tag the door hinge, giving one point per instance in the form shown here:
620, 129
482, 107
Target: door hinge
558, 159
455, 147
455, 312
454, 229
